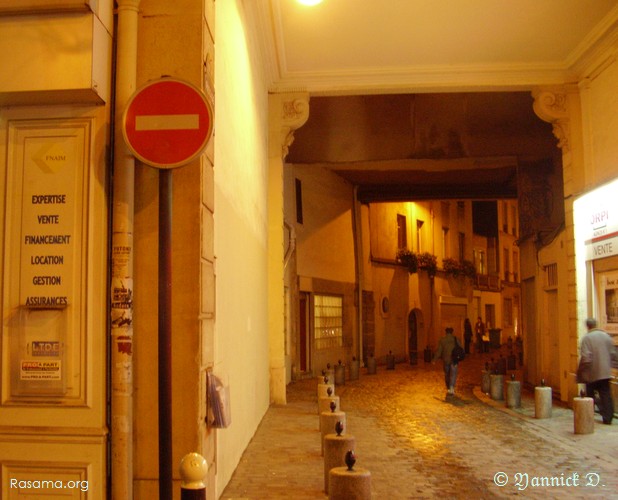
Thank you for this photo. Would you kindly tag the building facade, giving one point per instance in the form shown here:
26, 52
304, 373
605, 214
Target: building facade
79, 398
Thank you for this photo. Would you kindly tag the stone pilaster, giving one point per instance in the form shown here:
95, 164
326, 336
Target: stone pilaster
288, 112
561, 107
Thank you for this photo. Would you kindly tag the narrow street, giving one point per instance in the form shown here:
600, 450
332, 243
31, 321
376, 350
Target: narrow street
417, 442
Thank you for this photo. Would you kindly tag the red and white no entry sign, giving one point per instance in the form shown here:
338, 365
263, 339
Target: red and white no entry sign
167, 123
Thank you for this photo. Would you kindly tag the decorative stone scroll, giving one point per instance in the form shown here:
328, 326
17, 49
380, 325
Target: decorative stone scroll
289, 112
551, 107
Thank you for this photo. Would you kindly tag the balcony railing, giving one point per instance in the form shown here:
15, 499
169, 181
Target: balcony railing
487, 282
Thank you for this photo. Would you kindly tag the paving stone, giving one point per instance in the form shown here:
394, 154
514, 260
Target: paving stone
417, 442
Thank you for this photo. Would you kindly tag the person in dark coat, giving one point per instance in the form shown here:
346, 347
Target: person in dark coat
479, 330
598, 356
444, 352
467, 335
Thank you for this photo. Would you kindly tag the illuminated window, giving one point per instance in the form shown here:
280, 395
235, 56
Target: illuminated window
402, 232
445, 246
551, 275
419, 235
462, 246
328, 321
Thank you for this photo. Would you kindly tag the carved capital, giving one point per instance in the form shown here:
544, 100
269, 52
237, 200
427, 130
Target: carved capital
287, 114
551, 106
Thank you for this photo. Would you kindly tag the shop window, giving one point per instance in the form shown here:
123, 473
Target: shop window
328, 321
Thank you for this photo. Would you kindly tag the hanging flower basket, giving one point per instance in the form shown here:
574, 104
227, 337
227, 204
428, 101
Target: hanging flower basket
407, 259
428, 262
457, 268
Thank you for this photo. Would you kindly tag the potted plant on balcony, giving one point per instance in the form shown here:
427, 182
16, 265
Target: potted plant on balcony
407, 259
428, 262
457, 268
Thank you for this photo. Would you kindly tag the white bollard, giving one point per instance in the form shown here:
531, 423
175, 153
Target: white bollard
323, 387
328, 422
193, 471
324, 403
542, 402
349, 484
335, 448
583, 415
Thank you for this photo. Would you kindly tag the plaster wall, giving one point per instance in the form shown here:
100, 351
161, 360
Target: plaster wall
325, 239
241, 349
600, 111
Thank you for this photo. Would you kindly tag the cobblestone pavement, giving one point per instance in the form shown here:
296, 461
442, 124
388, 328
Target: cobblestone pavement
417, 442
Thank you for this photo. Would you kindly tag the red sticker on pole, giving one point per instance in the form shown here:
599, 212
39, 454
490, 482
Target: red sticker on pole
167, 123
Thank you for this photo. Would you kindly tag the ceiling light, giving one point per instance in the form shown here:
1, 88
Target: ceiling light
309, 2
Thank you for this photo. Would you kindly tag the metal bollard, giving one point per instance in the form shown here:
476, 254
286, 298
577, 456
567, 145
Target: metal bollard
339, 374
371, 365
485, 380
496, 387
193, 470
354, 369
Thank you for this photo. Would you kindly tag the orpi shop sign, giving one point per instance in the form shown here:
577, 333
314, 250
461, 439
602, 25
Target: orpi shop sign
596, 222
167, 123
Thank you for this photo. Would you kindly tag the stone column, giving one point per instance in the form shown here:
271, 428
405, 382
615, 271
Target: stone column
561, 107
287, 112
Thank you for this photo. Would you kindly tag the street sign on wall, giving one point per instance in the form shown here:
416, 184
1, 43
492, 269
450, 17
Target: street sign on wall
167, 123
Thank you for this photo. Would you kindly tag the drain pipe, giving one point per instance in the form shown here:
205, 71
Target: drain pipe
122, 260
357, 225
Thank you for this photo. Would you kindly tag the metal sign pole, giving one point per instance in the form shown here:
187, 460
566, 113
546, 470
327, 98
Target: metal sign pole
165, 334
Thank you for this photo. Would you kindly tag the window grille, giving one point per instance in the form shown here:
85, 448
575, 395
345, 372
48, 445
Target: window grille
328, 321
551, 273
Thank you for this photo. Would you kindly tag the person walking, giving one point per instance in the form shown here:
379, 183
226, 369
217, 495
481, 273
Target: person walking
597, 356
467, 335
479, 330
444, 352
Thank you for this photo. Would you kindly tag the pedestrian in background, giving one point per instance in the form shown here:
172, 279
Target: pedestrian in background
479, 330
444, 352
597, 356
467, 335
